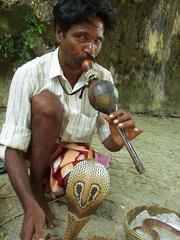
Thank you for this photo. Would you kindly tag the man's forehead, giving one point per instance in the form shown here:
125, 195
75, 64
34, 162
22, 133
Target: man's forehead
94, 22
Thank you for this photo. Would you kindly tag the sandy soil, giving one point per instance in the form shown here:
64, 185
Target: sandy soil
159, 150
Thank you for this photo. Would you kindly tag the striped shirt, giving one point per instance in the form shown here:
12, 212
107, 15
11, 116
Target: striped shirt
43, 73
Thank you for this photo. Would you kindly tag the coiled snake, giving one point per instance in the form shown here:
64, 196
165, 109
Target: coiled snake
149, 224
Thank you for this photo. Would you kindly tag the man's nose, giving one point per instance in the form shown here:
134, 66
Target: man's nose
90, 48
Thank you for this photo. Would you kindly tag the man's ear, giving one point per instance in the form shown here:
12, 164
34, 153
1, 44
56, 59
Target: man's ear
59, 34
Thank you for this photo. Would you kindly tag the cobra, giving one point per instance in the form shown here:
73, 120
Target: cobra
149, 224
87, 188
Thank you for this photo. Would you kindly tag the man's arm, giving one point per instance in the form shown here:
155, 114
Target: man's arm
34, 217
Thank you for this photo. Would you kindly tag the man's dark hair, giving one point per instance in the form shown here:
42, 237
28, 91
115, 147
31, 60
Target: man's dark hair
69, 12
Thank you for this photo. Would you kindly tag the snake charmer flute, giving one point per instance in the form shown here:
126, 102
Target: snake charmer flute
103, 96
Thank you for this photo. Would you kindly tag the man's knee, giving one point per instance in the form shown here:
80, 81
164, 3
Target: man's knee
46, 105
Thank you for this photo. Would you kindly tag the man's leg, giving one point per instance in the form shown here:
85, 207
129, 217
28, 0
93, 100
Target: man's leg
47, 114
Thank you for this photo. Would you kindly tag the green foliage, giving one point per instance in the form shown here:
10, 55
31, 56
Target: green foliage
20, 47
35, 24
7, 47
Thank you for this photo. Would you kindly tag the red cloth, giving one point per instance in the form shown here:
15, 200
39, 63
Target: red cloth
65, 157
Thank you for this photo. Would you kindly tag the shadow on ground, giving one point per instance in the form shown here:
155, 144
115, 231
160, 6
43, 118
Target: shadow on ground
159, 149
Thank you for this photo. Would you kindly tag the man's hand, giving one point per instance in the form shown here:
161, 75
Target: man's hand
123, 120
33, 224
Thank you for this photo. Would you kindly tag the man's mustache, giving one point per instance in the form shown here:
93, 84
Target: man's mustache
88, 57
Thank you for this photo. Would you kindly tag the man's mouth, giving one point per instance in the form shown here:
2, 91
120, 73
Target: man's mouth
88, 57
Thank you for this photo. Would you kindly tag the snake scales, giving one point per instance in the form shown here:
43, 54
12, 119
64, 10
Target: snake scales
149, 224
87, 188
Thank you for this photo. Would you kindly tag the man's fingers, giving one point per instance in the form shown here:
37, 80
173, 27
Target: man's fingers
124, 118
132, 133
138, 130
117, 114
106, 117
39, 232
119, 117
135, 132
39, 227
26, 233
126, 125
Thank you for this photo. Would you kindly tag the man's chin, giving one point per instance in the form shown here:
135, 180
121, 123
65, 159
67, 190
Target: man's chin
77, 66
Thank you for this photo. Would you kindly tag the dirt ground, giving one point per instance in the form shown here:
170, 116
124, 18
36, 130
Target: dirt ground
159, 150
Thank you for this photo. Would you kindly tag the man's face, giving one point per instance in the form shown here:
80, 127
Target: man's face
82, 41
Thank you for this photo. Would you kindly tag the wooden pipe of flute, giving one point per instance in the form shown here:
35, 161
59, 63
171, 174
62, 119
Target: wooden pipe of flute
103, 96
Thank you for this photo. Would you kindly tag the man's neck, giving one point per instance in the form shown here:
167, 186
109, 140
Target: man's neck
72, 75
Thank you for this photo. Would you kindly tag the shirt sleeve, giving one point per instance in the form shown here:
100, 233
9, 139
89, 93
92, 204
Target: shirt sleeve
16, 131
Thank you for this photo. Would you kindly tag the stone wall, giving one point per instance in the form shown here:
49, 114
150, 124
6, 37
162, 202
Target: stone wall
142, 53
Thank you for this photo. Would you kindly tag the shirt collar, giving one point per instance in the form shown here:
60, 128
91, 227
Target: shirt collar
55, 68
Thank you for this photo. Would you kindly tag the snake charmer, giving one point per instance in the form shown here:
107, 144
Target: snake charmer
50, 122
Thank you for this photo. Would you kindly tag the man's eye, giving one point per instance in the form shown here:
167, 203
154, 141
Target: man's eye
82, 38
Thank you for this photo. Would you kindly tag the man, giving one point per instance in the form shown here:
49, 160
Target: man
41, 110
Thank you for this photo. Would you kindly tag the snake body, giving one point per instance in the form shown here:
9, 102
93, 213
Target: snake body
87, 188
149, 224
